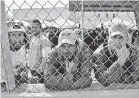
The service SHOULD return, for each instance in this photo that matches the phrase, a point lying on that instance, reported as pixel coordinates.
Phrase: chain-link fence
(81, 45)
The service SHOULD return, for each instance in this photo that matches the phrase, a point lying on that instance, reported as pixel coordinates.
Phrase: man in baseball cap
(114, 62)
(65, 61)
(67, 36)
(118, 36)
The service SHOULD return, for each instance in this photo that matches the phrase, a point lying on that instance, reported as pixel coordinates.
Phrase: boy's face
(67, 49)
(35, 28)
(16, 39)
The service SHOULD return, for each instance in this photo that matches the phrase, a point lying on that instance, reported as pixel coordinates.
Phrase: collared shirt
(35, 53)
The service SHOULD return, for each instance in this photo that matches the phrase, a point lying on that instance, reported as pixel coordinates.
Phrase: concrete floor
(96, 91)
(134, 93)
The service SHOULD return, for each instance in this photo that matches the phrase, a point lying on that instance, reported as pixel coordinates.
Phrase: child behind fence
(37, 52)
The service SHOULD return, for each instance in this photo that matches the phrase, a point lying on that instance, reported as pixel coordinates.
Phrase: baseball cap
(67, 36)
(118, 29)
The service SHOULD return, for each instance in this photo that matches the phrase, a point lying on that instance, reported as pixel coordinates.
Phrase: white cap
(67, 36)
(118, 29)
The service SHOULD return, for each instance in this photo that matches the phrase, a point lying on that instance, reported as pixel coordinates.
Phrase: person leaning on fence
(36, 57)
(68, 65)
(18, 41)
(117, 61)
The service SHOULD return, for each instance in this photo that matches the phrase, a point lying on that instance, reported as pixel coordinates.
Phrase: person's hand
(69, 77)
(59, 77)
(122, 54)
(72, 67)
(17, 68)
(67, 81)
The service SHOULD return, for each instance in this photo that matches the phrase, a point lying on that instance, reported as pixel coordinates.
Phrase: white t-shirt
(46, 49)
(39, 47)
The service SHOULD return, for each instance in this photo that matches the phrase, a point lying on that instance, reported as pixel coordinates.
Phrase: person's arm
(45, 50)
(43, 64)
(52, 79)
(83, 78)
(84, 75)
(110, 75)
(135, 66)
(105, 74)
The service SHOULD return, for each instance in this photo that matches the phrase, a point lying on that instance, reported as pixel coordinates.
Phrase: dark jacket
(108, 71)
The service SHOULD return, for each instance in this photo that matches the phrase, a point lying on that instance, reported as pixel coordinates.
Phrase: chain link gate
(70, 47)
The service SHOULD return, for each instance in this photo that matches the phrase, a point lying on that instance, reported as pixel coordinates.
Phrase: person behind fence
(37, 58)
(68, 65)
(18, 41)
(116, 62)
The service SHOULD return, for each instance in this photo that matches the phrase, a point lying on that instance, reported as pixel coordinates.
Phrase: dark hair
(53, 36)
(36, 20)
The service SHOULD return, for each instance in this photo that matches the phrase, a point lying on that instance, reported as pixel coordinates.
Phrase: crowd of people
(64, 59)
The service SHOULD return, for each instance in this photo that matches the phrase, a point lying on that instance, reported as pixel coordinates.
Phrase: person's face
(67, 49)
(116, 41)
(16, 39)
(35, 28)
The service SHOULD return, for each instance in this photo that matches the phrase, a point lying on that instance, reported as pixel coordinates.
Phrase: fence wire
(80, 49)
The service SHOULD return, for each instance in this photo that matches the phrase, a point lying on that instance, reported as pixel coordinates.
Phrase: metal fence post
(6, 57)
(136, 11)
(82, 18)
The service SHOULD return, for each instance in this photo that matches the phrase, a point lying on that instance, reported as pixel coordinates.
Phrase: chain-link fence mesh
(82, 45)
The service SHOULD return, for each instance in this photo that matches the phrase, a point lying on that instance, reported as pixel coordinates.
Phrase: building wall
(91, 19)
(37, 13)
(95, 18)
